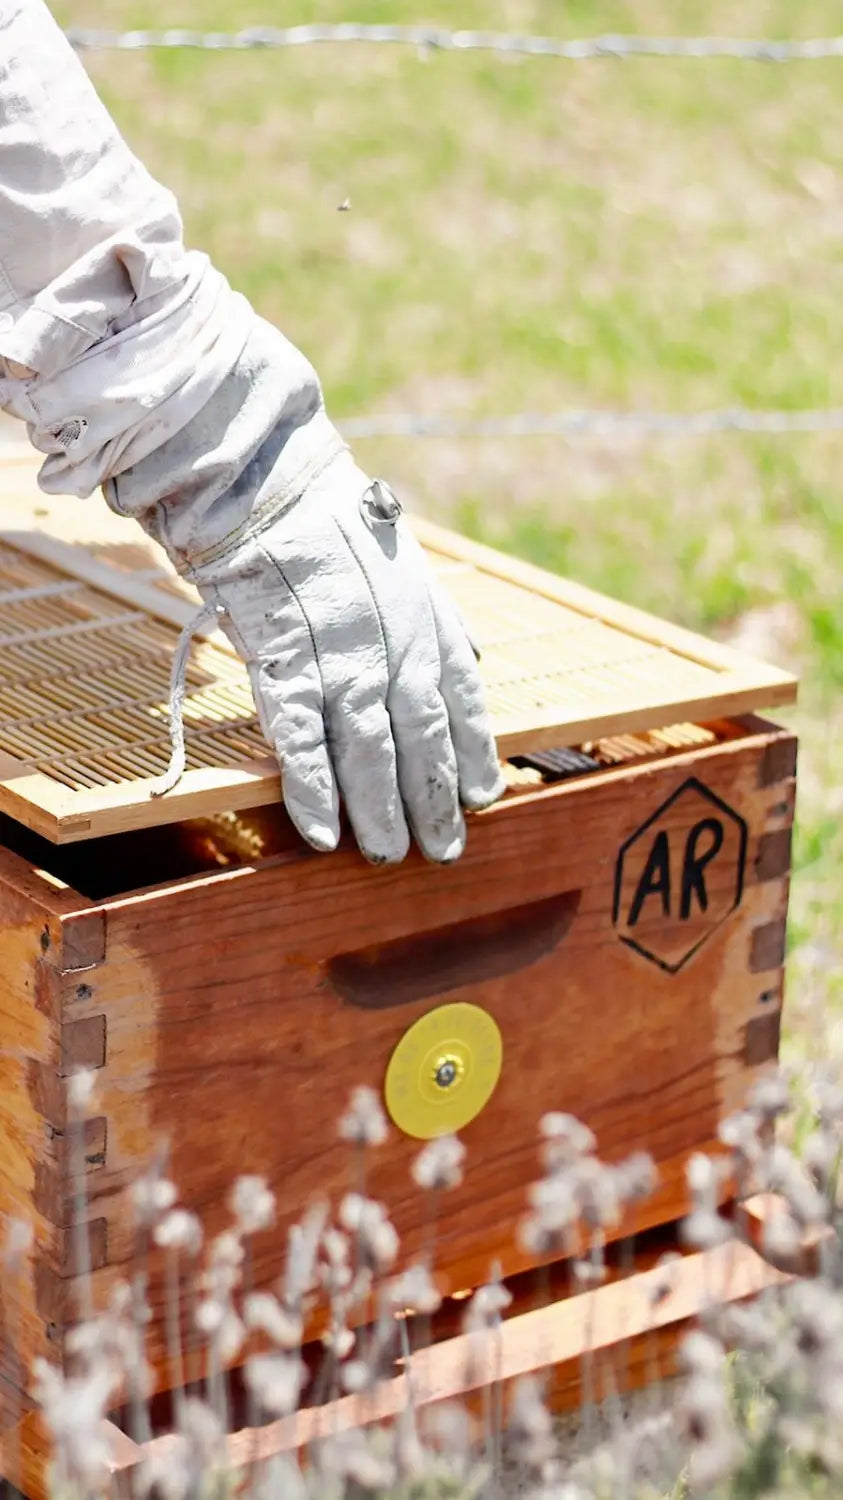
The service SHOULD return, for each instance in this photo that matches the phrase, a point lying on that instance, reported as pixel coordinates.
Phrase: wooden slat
(84, 670)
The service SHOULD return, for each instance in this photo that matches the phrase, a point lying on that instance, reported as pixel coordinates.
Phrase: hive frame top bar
(562, 663)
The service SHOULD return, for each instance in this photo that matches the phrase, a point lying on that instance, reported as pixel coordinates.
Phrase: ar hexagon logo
(679, 876)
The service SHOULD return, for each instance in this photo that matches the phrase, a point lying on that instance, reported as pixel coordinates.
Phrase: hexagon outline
(691, 783)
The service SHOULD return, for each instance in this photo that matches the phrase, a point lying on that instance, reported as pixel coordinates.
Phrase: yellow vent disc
(443, 1071)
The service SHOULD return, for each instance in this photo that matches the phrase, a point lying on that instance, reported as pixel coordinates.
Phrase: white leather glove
(364, 678)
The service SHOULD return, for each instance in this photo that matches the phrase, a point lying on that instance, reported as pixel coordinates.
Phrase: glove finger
(426, 765)
(427, 769)
(364, 759)
(290, 702)
(480, 779)
(346, 640)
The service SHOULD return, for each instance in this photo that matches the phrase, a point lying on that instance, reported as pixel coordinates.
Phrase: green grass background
(526, 235)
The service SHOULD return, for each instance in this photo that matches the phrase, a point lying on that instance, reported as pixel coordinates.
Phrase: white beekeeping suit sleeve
(137, 368)
(128, 335)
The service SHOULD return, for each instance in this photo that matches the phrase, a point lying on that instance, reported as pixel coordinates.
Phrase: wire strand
(428, 39)
(573, 423)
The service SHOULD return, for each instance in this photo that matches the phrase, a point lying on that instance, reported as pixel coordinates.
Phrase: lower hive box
(610, 945)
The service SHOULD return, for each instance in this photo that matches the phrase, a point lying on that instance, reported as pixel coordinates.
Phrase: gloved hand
(136, 368)
(363, 676)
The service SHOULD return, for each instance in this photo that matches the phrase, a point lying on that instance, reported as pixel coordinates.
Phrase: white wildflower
(588, 1272)
(253, 1204)
(276, 1381)
(264, 1312)
(596, 1189)
(357, 1375)
(80, 1092)
(74, 1409)
(229, 1337)
(770, 1097)
(447, 1428)
(415, 1291)
(17, 1243)
(701, 1178)
(364, 1122)
(356, 1458)
(375, 1236)
(565, 1140)
(336, 1273)
(485, 1308)
(338, 1341)
(152, 1196)
(439, 1164)
(829, 1099)
(411, 1459)
(224, 1330)
(208, 1316)
(165, 1474)
(636, 1178)
(530, 1426)
(704, 1229)
(554, 1200)
(705, 1426)
(223, 1271)
(278, 1478)
(300, 1272)
(555, 1214)
(201, 1429)
(783, 1174)
(821, 1155)
(739, 1132)
(227, 1250)
(816, 1315)
(781, 1239)
(702, 1354)
(179, 1230)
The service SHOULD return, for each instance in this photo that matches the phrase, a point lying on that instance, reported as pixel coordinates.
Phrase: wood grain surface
(226, 1015)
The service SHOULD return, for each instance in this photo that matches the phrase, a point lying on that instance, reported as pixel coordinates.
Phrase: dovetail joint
(761, 1039)
(768, 946)
(83, 1044)
(83, 941)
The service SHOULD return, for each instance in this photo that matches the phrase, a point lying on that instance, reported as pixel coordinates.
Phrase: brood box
(620, 916)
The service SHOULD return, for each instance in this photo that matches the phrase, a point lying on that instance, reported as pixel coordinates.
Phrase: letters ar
(702, 844)
(679, 874)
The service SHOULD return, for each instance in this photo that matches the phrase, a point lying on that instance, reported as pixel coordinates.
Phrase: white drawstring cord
(178, 687)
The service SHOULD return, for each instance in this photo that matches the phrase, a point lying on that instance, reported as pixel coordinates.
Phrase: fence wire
(430, 39)
(597, 424)
(427, 39)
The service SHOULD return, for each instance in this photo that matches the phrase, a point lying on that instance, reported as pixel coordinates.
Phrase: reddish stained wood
(29, 1042)
(243, 1021)
(228, 1028)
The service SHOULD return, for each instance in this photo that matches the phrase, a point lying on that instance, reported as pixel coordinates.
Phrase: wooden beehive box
(623, 925)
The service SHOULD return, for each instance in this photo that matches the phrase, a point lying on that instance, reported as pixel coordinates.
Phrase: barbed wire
(570, 423)
(573, 424)
(438, 39)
